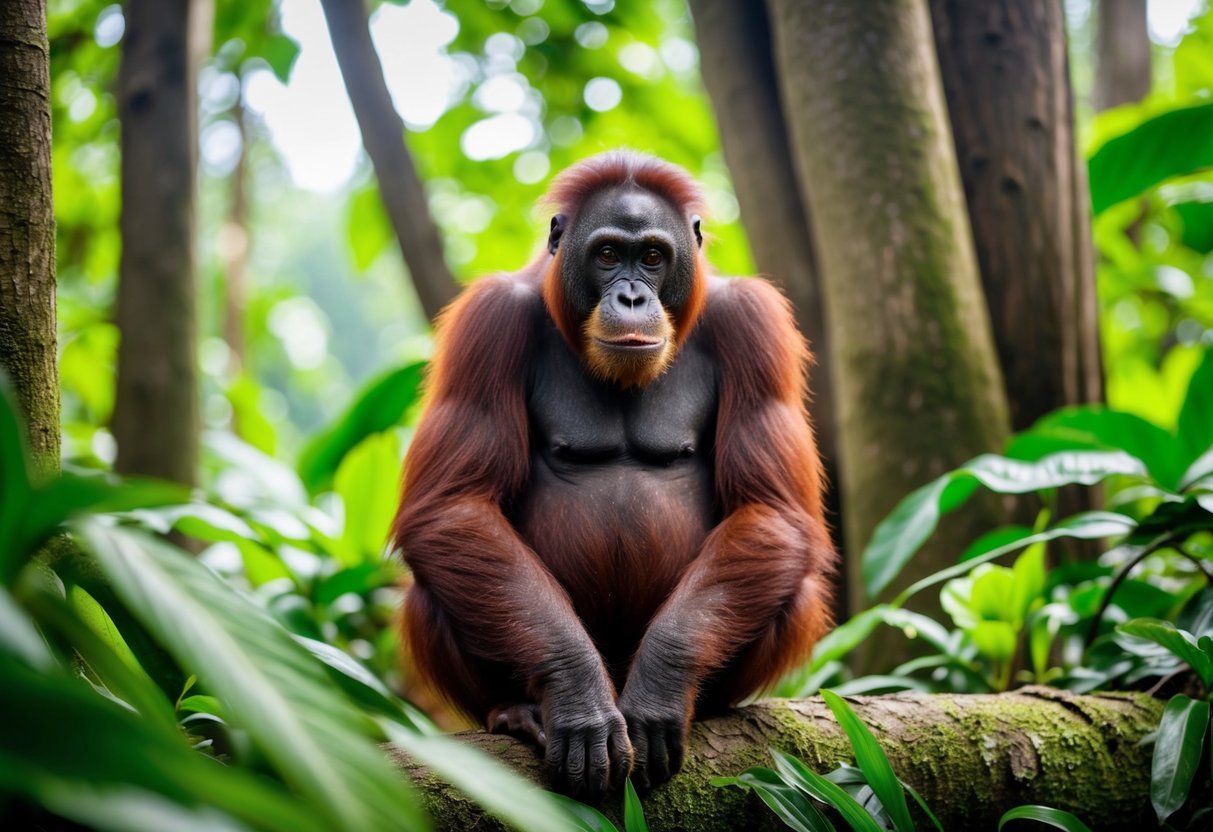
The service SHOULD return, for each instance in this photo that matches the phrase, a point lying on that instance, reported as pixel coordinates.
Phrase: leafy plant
(868, 798)
(153, 694)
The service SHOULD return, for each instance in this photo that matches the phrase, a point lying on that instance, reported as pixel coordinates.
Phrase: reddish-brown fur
(481, 617)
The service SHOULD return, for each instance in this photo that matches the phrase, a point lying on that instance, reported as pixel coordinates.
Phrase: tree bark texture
(971, 757)
(400, 185)
(917, 381)
(156, 420)
(27, 226)
(734, 38)
(1122, 46)
(1005, 74)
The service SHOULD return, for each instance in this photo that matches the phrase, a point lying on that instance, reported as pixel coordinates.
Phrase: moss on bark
(971, 758)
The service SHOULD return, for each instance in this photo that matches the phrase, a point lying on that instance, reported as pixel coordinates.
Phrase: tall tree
(1006, 77)
(1122, 46)
(27, 225)
(156, 419)
(734, 38)
(400, 186)
(916, 376)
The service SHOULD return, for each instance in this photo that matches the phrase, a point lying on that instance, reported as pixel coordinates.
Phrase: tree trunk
(917, 381)
(1005, 74)
(400, 186)
(971, 757)
(1122, 62)
(156, 419)
(27, 226)
(734, 39)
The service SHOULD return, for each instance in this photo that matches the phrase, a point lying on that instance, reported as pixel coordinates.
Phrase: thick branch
(400, 185)
(971, 758)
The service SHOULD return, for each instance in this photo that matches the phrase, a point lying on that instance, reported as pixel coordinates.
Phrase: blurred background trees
(468, 109)
(994, 220)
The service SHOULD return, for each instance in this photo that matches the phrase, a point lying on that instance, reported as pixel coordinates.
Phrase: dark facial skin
(630, 250)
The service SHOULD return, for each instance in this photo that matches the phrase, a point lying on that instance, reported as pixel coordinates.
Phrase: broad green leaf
(872, 762)
(81, 622)
(377, 407)
(846, 637)
(581, 817)
(1148, 155)
(1043, 814)
(1177, 753)
(794, 771)
(280, 52)
(904, 531)
(1089, 525)
(994, 639)
(368, 481)
(1179, 642)
(1096, 427)
(1029, 571)
(633, 812)
(120, 808)
(321, 744)
(788, 803)
(364, 687)
(1199, 470)
(42, 755)
(1196, 415)
(914, 519)
(493, 786)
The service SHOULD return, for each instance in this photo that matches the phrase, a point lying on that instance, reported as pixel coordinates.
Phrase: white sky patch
(1168, 19)
(310, 119)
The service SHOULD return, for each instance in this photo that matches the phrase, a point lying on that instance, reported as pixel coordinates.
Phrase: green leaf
(787, 802)
(1179, 642)
(1148, 155)
(493, 786)
(1177, 753)
(1196, 415)
(323, 747)
(583, 818)
(633, 812)
(994, 639)
(846, 637)
(280, 52)
(795, 772)
(1089, 525)
(914, 519)
(379, 406)
(1096, 427)
(1043, 814)
(368, 481)
(872, 762)
(42, 757)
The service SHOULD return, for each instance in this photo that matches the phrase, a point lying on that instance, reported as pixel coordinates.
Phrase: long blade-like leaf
(872, 762)
(1177, 753)
(1044, 814)
(794, 771)
(633, 812)
(788, 803)
(270, 686)
(496, 788)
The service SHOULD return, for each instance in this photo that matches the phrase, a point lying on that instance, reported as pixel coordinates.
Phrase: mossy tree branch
(971, 758)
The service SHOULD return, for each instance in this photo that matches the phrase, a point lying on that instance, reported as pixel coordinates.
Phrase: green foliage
(106, 742)
(1148, 155)
(869, 798)
(1178, 752)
